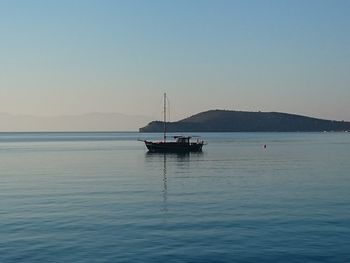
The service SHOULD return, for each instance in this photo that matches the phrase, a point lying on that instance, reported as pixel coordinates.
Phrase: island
(245, 121)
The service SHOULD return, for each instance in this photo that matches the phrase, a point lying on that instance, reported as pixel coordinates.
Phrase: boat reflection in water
(176, 162)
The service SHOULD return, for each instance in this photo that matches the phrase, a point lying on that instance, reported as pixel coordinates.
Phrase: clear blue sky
(72, 57)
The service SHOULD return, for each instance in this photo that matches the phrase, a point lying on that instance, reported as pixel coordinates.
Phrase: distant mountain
(244, 121)
(84, 122)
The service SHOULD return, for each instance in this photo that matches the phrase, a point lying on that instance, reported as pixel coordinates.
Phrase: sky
(75, 57)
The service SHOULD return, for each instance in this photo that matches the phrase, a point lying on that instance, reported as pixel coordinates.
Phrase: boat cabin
(182, 139)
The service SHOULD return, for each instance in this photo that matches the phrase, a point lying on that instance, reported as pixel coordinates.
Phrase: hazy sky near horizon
(73, 57)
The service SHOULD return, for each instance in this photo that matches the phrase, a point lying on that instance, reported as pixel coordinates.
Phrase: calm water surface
(100, 197)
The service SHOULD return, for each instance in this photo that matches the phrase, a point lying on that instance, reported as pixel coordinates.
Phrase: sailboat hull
(173, 146)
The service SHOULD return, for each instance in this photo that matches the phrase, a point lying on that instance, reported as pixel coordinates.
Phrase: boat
(181, 144)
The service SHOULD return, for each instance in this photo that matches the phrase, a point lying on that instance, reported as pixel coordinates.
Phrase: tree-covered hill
(243, 121)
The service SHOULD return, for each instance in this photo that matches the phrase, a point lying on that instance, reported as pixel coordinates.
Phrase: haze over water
(100, 197)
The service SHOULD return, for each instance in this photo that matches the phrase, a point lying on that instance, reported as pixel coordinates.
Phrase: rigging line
(164, 119)
(168, 108)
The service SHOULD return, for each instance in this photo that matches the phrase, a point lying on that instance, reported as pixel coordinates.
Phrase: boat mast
(164, 128)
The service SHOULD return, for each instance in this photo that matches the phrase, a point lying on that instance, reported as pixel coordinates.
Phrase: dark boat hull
(173, 146)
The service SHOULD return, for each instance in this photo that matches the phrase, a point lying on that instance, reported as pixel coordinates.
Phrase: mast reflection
(178, 161)
(165, 187)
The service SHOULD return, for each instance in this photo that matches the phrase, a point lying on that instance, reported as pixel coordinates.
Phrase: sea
(101, 197)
